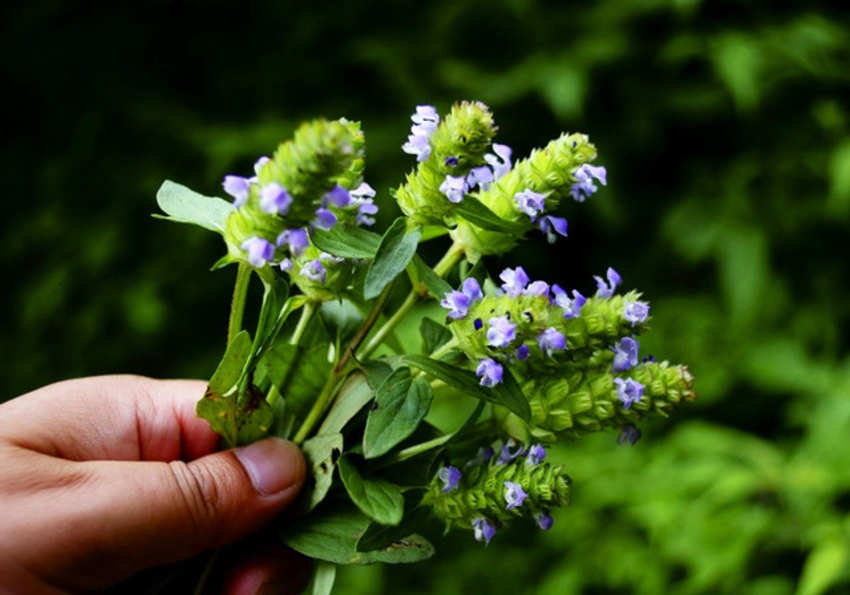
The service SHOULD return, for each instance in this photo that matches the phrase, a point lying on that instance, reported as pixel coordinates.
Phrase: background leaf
(474, 211)
(347, 241)
(376, 498)
(433, 335)
(398, 245)
(401, 403)
(187, 206)
(353, 396)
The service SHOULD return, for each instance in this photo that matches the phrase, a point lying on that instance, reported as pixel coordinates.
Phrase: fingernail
(272, 464)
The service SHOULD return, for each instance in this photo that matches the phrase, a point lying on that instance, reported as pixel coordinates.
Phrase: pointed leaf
(230, 367)
(320, 451)
(474, 211)
(402, 402)
(377, 498)
(435, 284)
(187, 206)
(508, 394)
(352, 397)
(433, 335)
(379, 536)
(347, 241)
(396, 249)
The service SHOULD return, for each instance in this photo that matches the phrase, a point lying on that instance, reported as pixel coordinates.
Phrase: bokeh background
(725, 128)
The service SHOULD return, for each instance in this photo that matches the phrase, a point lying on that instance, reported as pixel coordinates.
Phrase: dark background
(724, 128)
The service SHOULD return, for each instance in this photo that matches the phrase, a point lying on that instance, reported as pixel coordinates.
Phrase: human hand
(101, 477)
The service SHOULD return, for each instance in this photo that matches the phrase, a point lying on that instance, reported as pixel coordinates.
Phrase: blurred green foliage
(724, 127)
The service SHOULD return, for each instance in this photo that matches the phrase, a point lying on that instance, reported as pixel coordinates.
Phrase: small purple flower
(454, 187)
(501, 161)
(259, 164)
(553, 227)
(571, 307)
(489, 371)
(314, 270)
(325, 219)
(636, 312)
(625, 354)
(363, 192)
(337, 196)
(501, 332)
(649, 358)
(506, 456)
(522, 352)
(544, 520)
(425, 119)
(629, 434)
(259, 251)
(551, 340)
(361, 197)
(472, 289)
(531, 203)
(457, 303)
(483, 529)
(237, 187)
(584, 186)
(629, 391)
(325, 257)
(481, 176)
(514, 281)
(419, 145)
(274, 199)
(537, 288)
(514, 495)
(295, 238)
(606, 290)
(451, 161)
(536, 454)
(477, 323)
(482, 457)
(286, 265)
(450, 476)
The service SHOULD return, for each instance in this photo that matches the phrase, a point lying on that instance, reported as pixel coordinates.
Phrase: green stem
(306, 314)
(318, 408)
(454, 254)
(364, 329)
(237, 305)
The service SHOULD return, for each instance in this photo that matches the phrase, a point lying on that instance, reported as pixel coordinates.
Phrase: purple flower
(481, 176)
(361, 197)
(514, 281)
(551, 340)
(506, 456)
(451, 161)
(636, 312)
(325, 219)
(514, 495)
(419, 145)
(286, 265)
(489, 371)
(543, 520)
(325, 257)
(551, 226)
(425, 119)
(537, 288)
(314, 271)
(571, 307)
(259, 164)
(337, 196)
(629, 391)
(625, 354)
(629, 434)
(472, 289)
(363, 192)
(237, 187)
(454, 187)
(501, 332)
(482, 457)
(450, 476)
(501, 161)
(584, 186)
(274, 199)
(295, 238)
(457, 303)
(531, 203)
(522, 352)
(606, 290)
(483, 529)
(536, 454)
(259, 251)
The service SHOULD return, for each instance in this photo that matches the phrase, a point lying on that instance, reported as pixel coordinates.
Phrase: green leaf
(347, 241)
(402, 402)
(322, 583)
(397, 248)
(429, 232)
(229, 369)
(379, 536)
(377, 498)
(254, 416)
(435, 284)
(825, 565)
(272, 313)
(474, 211)
(187, 206)
(342, 315)
(332, 535)
(433, 335)
(352, 397)
(299, 374)
(376, 371)
(508, 394)
(319, 452)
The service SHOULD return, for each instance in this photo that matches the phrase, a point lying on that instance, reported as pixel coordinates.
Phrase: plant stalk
(237, 304)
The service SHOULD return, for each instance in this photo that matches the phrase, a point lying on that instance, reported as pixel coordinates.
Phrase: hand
(102, 477)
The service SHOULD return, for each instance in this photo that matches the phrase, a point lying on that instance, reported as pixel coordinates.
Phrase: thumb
(153, 513)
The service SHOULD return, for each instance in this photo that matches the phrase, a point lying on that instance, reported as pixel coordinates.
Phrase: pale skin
(102, 477)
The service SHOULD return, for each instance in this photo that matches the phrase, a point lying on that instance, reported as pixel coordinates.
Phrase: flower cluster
(504, 481)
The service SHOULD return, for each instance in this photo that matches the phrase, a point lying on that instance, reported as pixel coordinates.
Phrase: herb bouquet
(536, 363)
